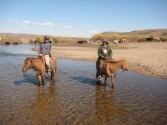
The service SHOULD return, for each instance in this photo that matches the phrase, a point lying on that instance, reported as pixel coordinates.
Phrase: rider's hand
(40, 54)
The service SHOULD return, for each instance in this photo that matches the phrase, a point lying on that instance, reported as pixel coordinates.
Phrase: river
(75, 98)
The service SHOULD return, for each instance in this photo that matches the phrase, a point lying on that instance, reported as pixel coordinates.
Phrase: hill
(133, 35)
(146, 33)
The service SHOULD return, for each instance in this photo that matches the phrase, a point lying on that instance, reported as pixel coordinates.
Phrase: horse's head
(27, 64)
(125, 65)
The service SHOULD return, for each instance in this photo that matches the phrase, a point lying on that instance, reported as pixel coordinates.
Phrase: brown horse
(110, 67)
(39, 66)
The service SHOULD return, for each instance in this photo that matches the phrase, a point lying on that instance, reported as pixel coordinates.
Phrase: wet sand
(144, 58)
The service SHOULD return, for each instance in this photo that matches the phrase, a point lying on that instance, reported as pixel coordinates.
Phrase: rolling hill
(146, 33)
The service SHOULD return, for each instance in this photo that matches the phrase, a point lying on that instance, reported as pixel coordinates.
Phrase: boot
(100, 77)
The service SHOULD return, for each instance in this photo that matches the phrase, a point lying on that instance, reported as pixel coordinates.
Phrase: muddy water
(75, 98)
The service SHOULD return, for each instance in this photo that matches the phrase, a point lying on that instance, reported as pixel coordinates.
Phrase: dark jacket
(104, 52)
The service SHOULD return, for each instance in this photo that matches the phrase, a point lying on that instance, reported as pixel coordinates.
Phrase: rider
(44, 50)
(104, 53)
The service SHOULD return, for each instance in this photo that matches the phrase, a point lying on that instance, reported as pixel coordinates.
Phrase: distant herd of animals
(114, 41)
(17, 43)
(123, 40)
(14, 43)
(149, 39)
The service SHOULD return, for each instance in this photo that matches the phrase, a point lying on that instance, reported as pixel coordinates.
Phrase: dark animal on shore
(15, 43)
(7, 43)
(83, 41)
(110, 67)
(149, 39)
(40, 68)
(141, 40)
(80, 42)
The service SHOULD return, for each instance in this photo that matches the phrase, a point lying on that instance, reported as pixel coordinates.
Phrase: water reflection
(44, 107)
(106, 109)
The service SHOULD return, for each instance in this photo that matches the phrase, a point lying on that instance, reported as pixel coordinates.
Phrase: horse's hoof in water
(98, 81)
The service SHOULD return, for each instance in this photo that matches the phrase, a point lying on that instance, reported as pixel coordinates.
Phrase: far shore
(144, 58)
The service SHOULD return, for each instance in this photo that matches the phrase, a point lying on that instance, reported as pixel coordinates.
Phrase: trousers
(47, 59)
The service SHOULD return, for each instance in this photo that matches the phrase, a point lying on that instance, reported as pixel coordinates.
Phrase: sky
(81, 18)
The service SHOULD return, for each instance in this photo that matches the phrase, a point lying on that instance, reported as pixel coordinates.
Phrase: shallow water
(75, 98)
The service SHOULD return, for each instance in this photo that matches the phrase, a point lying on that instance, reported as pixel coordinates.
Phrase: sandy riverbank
(145, 58)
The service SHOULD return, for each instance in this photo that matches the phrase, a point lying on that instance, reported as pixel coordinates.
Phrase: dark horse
(39, 66)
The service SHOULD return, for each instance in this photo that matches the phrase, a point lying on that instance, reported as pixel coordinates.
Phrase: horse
(110, 67)
(40, 68)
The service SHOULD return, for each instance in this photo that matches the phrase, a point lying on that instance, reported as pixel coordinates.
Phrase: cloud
(93, 31)
(9, 20)
(44, 24)
(22, 25)
(25, 28)
(14, 21)
(26, 22)
(68, 27)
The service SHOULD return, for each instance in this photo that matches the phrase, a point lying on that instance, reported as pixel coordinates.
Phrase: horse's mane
(115, 61)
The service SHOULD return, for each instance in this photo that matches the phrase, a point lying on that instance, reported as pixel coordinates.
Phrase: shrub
(163, 39)
(164, 34)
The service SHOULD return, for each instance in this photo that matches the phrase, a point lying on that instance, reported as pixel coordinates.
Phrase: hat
(46, 37)
(105, 41)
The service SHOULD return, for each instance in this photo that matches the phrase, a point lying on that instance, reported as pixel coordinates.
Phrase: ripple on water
(75, 98)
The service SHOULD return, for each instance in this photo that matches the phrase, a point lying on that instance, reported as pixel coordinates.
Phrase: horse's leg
(53, 75)
(42, 78)
(112, 80)
(39, 79)
(105, 81)
(55, 71)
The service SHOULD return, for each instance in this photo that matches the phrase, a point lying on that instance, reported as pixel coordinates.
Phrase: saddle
(42, 58)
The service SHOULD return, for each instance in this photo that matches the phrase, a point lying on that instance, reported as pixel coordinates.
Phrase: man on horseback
(44, 50)
(104, 53)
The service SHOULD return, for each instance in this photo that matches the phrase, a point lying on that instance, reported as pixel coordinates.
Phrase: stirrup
(100, 78)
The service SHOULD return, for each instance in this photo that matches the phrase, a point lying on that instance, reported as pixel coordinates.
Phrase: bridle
(32, 64)
(123, 69)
